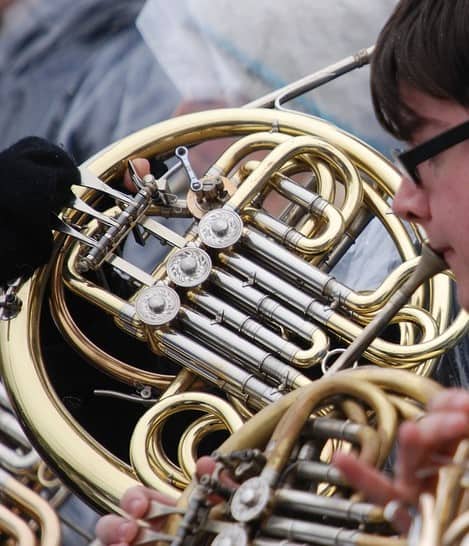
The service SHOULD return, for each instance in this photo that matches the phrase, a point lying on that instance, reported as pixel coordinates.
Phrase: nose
(411, 202)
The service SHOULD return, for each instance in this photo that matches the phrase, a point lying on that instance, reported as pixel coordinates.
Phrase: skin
(440, 204)
(116, 531)
(142, 166)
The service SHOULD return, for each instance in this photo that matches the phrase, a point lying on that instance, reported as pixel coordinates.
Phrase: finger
(433, 432)
(449, 400)
(142, 166)
(136, 500)
(112, 530)
(418, 441)
(206, 465)
(376, 486)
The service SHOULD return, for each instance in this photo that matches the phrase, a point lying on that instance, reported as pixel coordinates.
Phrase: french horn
(239, 312)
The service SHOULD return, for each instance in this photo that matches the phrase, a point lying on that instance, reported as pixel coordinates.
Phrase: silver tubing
(216, 369)
(260, 303)
(288, 263)
(313, 81)
(244, 324)
(237, 348)
(310, 503)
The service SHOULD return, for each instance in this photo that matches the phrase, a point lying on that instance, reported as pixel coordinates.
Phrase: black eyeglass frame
(409, 160)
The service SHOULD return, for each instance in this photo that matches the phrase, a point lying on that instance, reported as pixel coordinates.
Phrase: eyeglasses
(408, 161)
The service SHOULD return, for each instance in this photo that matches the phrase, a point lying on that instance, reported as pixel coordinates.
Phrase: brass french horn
(240, 310)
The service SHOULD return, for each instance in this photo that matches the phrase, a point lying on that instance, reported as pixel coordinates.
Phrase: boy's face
(440, 203)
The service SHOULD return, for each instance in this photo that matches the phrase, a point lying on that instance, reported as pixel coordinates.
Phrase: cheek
(449, 200)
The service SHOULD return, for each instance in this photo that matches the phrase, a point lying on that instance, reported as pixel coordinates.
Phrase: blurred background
(86, 73)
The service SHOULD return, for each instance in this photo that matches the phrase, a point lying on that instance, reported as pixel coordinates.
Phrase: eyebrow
(425, 123)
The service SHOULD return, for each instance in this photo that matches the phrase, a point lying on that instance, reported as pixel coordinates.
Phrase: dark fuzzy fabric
(35, 179)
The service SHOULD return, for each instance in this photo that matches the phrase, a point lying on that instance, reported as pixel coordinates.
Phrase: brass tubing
(115, 367)
(257, 302)
(147, 461)
(242, 147)
(407, 410)
(214, 368)
(322, 284)
(457, 530)
(285, 151)
(312, 81)
(310, 503)
(324, 174)
(13, 526)
(191, 438)
(253, 357)
(354, 411)
(319, 472)
(289, 427)
(104, 478)
(449, 491)
(294, 239)
(253, 329)
(359, 434)
(315, 533)
(265, 141)
(257, 432)
(96, 473)
(324, 183)
(429, 265)
(379, 350)
(35, 506)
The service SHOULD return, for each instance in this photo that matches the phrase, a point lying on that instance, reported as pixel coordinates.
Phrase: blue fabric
(79, 74)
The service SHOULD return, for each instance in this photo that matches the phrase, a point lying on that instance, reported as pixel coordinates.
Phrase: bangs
(420, 47)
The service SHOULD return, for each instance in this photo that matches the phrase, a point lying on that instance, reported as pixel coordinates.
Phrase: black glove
(35, 180)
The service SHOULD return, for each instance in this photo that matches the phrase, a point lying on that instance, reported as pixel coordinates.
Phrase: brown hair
(425, 45)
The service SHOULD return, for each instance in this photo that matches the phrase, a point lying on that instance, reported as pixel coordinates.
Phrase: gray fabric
(242, 50)
(79, 74)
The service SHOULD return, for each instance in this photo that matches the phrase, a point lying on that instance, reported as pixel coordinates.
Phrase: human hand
(423, 446)
(142, 167)
(113, 530)
(37, 176)
(35, 180)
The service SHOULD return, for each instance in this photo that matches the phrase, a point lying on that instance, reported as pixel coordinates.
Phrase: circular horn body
(237, 308)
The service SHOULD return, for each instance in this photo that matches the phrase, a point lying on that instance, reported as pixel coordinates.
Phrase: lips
(447, 254)
(444, 251)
